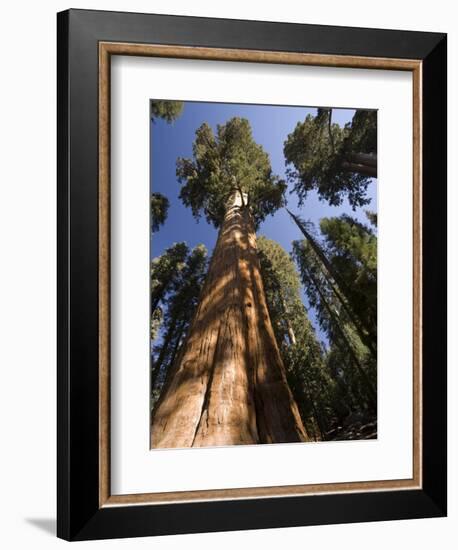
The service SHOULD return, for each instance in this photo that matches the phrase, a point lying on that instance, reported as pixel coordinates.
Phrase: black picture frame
(79, 515)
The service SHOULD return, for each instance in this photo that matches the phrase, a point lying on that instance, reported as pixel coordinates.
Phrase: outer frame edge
(63, 433)
(141, 521)
(96, 526)
(434, 165)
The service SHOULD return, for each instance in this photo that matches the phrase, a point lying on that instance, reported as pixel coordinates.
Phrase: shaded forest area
(235, 358)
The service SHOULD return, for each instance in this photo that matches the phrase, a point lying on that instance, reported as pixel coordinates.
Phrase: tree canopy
(348, 317)
(164, 269)
(352, 250)
(166, 110)
(224, 163)
(159, 209)
(342, 284)
(372, 217)
(336, 162)
(330, 275)
(179, 305)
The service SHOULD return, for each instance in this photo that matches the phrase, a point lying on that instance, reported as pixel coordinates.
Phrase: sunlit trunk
(228, 386)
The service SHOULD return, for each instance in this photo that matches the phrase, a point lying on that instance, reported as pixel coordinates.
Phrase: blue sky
(271, 125)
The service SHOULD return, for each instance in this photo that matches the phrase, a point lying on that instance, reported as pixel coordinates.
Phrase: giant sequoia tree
(228, 385)
(337, 162)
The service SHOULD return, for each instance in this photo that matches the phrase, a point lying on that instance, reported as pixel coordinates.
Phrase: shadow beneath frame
(48, 525)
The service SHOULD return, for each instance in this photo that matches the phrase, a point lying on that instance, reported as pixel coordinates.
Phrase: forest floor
(353, 428)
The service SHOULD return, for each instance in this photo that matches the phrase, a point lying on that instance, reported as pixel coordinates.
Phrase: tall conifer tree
(336, 162)
(301, 351)
(229, 385)
(179, 306)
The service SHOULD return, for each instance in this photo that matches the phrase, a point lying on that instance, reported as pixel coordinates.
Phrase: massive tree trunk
(228, 385)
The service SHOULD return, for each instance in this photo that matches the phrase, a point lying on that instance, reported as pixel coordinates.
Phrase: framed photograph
(251, 275)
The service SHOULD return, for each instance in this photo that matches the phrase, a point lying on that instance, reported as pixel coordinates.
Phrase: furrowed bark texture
(228, 386)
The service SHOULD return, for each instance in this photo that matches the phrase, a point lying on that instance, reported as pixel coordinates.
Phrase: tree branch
(331, 137)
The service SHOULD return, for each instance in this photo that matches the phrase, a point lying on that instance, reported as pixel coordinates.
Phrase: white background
(27, 286)
(134, 466)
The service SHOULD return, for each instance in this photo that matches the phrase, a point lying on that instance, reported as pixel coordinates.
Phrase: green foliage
(224, 163)
(318, 154)
(310, 382)
(372, 217)
(362, 134)
(341, 287)
(281, 285)
(302, 353)
(164, 270)
(156, 322)
(350, 248)
(159, 209)
(166, 110)
(179, 306)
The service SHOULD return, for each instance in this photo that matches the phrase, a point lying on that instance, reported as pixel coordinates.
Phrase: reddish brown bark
(229, 387)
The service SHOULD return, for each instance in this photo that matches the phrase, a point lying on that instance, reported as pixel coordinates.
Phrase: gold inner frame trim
(106, 50)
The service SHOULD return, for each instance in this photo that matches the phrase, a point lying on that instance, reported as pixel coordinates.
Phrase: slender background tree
(301, 352)
(164, 272)
(332, 260)
(179, 306)
(350, 249)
